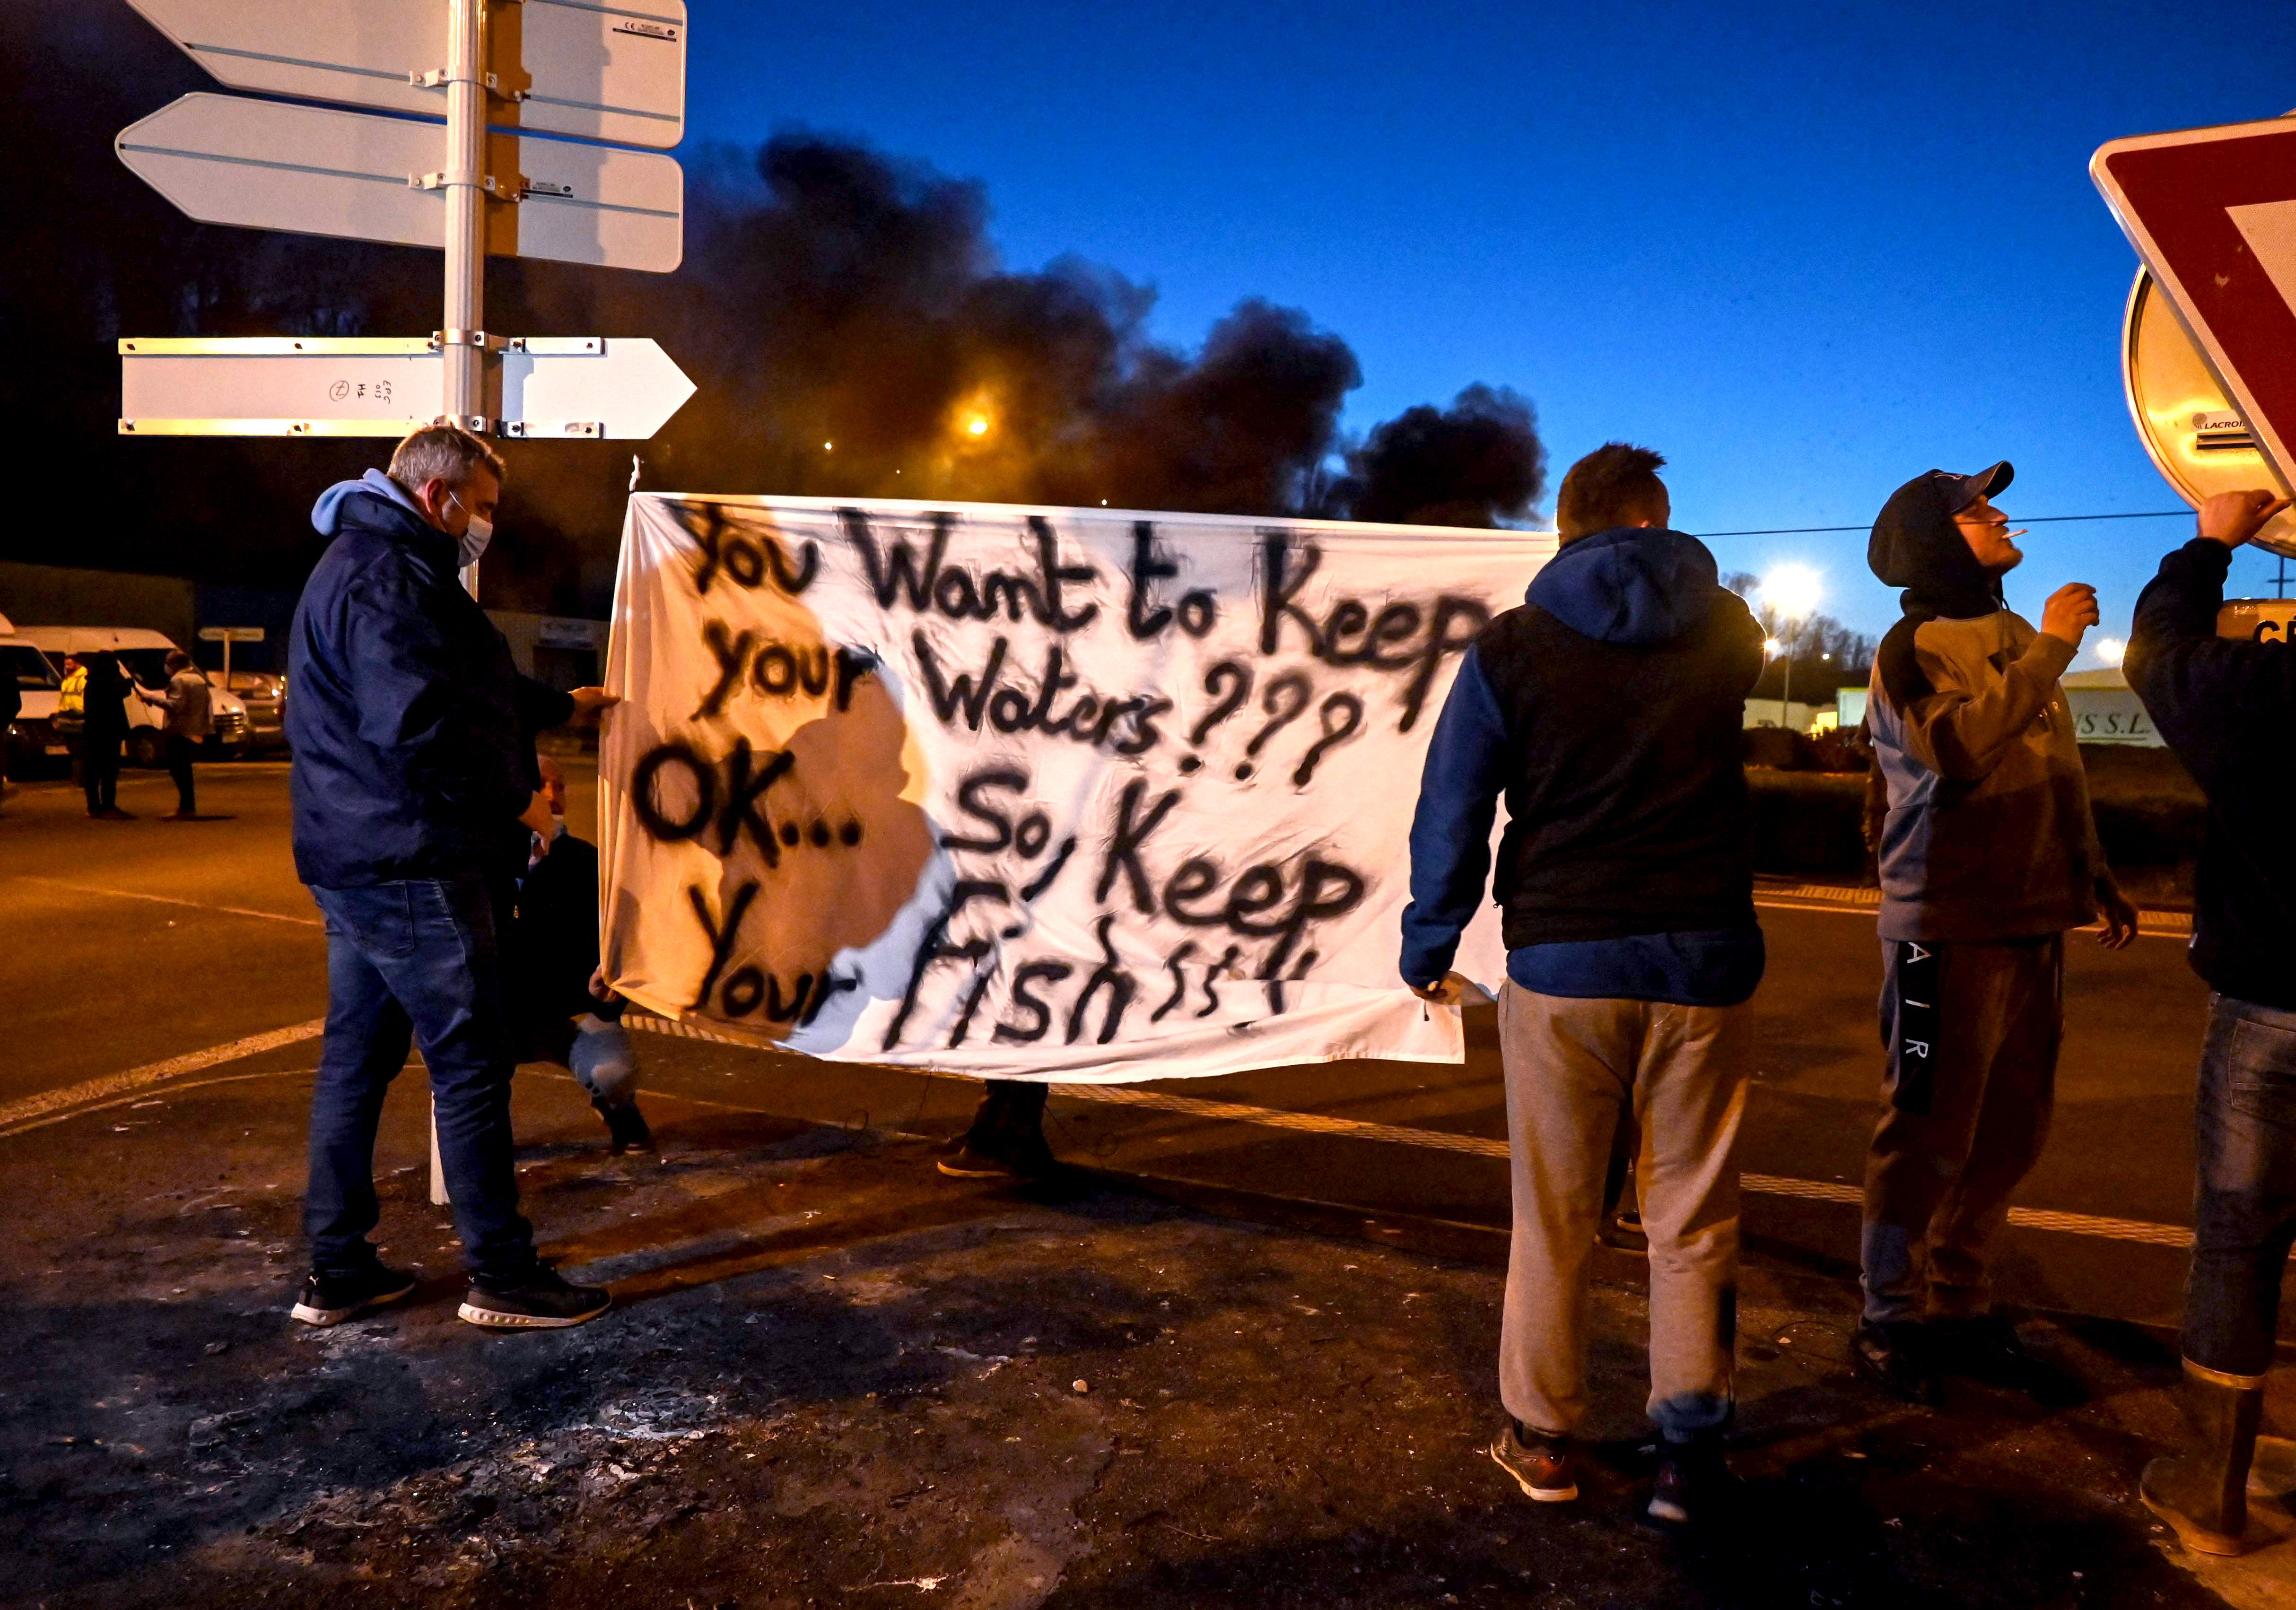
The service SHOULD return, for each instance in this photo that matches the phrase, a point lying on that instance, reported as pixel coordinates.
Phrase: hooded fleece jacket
(412, 728)
(1988, 836)
(1607, 708)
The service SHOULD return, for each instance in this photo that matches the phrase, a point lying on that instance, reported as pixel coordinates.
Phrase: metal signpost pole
(462, 335)
(1785, 692)
(466, 201)
(370, 168)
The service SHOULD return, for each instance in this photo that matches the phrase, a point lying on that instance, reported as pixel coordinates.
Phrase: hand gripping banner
(1031, 793)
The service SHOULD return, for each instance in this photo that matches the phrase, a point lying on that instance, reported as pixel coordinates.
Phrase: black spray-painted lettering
(971, 697)
(731, 803)
(1401, 636)
(742, 557)
(748, 988)
(929, 584)
(1144, 618)
(938, 949)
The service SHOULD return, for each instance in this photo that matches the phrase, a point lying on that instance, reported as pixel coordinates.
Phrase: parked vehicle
(264, 695)
(34, 744)
(144, 656)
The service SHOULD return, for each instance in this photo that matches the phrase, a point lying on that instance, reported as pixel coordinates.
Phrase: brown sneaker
(1542, 1466)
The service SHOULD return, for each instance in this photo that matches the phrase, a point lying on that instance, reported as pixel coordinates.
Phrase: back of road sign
(599, 72)
(545, 387)
(276, 165)
(2213, 212)
(2197, 439)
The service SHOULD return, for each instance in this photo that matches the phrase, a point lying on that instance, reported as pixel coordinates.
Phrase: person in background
(1006, 1138)
(1987, 855)
(410, 760)
(71, 710)
(563, 1012)
(189, 703)
(2221, 705)
(1608, 710)
(104, 697)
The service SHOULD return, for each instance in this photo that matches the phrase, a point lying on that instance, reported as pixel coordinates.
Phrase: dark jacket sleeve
(413, 703)
(2191, 680)
(1465, 772)
(540, 707)
(1743, 642)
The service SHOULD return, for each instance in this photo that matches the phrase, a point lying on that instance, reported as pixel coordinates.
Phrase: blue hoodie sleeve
(1451, 830)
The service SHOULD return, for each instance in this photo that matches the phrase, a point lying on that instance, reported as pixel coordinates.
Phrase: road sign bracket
(570, 430)
(510, 194)
(439, 77)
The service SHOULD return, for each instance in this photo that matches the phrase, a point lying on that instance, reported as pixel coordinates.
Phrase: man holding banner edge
(1607, 708)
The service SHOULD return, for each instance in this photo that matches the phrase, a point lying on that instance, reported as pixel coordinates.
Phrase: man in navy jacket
(412, 766)
(1608, 710)
(2225, 706)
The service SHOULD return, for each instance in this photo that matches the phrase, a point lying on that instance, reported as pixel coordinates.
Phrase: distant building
(2106, 710)
(563, 650)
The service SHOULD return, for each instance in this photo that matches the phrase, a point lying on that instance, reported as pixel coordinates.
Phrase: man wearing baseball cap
(1987, 855)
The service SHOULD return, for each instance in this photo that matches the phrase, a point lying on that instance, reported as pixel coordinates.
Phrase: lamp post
(1791, 592)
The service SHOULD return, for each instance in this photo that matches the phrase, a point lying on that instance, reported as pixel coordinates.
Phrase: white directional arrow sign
(276, 165)
(554, 387)
(598, 72)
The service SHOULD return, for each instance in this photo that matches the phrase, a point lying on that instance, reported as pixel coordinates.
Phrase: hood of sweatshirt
(1636, 585)
(1915, 545)
(335, 504)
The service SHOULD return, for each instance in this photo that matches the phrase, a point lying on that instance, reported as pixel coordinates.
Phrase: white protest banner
(1031, 793)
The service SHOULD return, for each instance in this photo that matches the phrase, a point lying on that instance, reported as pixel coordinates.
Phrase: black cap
(1962, 490)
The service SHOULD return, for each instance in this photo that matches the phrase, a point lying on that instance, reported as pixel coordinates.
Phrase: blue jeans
(414, 961)
(2244, 1211)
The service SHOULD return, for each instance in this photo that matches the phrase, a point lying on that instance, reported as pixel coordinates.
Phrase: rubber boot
(2204, 1493)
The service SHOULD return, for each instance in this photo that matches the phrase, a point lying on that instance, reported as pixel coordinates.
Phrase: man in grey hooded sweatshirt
(1987, 855)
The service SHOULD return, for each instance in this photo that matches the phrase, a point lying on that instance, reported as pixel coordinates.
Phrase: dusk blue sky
(1806, 250)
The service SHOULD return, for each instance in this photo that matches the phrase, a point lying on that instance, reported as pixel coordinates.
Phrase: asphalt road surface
(136, 944)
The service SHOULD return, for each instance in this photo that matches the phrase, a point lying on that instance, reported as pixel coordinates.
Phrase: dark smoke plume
(844, 314)
(1476, 463)
(851, 311)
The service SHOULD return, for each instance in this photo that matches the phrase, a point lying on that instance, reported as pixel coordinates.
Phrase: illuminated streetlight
(1792, 593)
(829, 447)
(977, 425)
(2110, 650)
(1770, 646)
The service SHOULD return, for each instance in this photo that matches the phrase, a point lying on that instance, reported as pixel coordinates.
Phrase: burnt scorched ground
(833, 1377)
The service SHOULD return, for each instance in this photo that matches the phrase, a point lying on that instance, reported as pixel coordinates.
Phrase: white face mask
(557, 827)
(474, 540)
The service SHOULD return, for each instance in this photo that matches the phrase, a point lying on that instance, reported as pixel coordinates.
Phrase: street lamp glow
(2110, 650)
(977, 425)
(829, 447)
(1771, 645)
(1791, 591)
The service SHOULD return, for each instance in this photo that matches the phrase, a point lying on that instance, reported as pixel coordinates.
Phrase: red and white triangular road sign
(2212, 211)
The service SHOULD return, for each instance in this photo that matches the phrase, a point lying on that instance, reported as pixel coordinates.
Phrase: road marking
(1846, 901)
(197, 905)
(33, 1110)
(1475, 1146)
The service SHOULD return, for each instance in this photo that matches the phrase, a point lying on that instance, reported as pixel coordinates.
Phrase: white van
(33, 742)
(144, 656)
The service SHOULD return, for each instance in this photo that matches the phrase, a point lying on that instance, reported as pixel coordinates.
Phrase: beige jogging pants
(1573, 1069)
